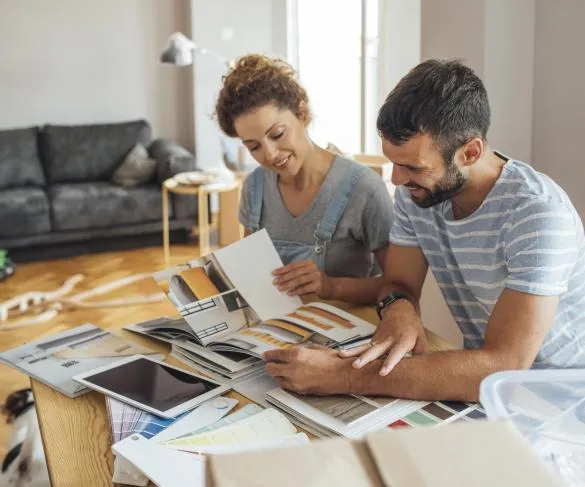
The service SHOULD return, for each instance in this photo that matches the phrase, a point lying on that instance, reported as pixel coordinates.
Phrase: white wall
(496, 39)
(257, 26)
(453, 29)
(559, 95)
(86, 61)
(509, 74)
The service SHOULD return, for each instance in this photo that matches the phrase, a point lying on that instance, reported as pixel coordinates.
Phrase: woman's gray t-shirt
(364, 226)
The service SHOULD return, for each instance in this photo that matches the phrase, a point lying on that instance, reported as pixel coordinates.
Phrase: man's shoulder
(529, 185)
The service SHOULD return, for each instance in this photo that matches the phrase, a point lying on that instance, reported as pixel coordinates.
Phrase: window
(338, 65)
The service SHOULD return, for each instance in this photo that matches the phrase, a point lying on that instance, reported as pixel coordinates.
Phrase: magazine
(231, 309)
(55, 359)
(219, 366)
(354, 416)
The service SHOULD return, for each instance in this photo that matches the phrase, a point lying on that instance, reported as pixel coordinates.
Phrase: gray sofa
(57, 198)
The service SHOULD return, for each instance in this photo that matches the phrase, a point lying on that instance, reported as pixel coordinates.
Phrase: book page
(268, 424)
(343, 414)
(325, 320)
(249, 264)
(205, 297)
(55, 359)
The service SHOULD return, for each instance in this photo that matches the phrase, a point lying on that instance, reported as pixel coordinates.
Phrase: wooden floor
(97, 269)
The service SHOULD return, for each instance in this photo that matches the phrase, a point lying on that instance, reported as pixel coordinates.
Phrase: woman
(329, 217)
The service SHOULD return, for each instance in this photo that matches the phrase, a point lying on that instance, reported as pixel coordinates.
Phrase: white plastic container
(548, 408)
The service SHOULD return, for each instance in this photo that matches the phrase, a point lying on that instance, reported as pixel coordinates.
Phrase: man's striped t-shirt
(525, 236)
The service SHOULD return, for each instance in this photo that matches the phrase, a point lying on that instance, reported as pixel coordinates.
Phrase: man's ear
(472, 151)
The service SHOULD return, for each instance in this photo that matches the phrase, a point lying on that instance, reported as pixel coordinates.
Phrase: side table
(229, 192)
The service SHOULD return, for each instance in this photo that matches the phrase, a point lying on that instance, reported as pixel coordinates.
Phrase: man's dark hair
(445, 99)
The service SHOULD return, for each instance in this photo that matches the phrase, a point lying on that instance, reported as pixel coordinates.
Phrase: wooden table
(229, 201)
(76, 432)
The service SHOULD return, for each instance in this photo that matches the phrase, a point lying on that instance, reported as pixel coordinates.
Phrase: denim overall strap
(341, 196)
(256, 198)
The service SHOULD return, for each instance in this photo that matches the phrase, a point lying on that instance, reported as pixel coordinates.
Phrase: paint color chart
(436, 413)
(126, 420)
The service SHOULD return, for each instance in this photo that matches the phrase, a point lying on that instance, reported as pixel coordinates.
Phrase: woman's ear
(304, 113)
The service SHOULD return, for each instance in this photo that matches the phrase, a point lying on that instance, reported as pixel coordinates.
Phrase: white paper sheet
(256, 388)
(165, 467)
(266, 426)
(249, 264)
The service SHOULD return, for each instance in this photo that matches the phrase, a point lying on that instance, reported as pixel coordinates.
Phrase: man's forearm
(448, 375)
(392, 286)
(355, 290)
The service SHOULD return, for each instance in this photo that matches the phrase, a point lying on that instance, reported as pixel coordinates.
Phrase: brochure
(232, 311)
(55, 359)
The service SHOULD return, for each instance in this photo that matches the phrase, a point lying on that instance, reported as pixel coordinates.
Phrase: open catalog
(232, 313)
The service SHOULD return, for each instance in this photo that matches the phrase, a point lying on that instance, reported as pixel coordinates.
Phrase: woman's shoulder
(258, 176)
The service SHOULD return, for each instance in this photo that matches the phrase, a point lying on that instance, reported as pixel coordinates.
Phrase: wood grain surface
(76, 433)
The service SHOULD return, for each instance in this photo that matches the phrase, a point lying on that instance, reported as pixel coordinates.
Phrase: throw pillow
(171, 158)
(137, 168)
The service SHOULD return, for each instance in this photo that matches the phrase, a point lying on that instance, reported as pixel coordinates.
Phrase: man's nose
(399, 176)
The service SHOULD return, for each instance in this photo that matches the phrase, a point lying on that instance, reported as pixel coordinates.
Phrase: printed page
(249, 264)
(165, 328)
(217, 373)
(325, 320)
(55, 359)
(230, 361)
(344, 415)
(256, 388)
(269, 424)
(258, 339)
(126, 420)
(205, 297)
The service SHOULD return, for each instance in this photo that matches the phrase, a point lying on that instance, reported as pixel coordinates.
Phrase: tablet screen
(152, 384)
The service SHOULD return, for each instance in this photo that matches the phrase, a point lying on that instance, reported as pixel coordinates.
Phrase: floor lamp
(179, 51)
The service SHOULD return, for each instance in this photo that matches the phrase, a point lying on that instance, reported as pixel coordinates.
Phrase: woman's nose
(270, 153)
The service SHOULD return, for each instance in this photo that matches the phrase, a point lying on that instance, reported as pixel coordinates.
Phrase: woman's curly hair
(257, 80)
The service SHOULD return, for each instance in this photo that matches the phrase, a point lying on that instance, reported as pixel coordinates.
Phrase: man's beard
(448, 187)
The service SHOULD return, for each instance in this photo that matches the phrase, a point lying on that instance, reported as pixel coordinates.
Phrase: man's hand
(309, 370)
(400, 332)
(302, 277)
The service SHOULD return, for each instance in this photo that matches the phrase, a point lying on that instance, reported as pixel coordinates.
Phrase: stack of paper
(268, 427)
(140, 437)
(55, 359)
(126, 420)
(354, 416)
(232, 313)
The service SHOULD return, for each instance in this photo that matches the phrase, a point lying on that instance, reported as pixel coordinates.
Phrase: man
(503, 241)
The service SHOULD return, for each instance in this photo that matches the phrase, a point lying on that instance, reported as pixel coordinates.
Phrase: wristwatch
(388, 300)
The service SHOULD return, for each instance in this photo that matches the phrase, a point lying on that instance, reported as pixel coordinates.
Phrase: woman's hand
(399, 333)
(303, 277)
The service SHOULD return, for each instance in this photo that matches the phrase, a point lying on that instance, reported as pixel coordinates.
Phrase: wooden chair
(381, 165)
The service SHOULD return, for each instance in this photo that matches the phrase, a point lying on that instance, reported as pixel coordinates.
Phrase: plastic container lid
(548, 408)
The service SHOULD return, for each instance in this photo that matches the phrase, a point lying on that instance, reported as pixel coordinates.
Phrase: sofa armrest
(171, 158)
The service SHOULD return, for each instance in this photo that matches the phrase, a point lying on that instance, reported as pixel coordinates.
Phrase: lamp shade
(178, 50)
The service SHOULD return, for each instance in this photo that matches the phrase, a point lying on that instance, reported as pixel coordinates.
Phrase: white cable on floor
(49, 304)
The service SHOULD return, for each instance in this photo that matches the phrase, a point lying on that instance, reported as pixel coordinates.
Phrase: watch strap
(388, 300)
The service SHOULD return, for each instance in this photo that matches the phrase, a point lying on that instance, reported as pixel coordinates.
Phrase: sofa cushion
(19, 159)
(86, 153)
(136, 169)
(25, 211)
(171, 158)
(97, 205)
